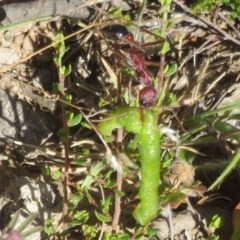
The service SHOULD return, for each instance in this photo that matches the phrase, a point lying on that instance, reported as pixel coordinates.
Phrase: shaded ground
(206, 53)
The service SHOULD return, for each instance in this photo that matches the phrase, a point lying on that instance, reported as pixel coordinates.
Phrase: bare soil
(206, 52)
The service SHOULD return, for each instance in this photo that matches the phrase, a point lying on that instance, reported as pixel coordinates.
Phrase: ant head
(147, 96)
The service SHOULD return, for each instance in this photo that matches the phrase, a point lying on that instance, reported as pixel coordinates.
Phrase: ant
(119, 34)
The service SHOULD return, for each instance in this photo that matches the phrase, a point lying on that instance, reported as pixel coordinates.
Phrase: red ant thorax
(138, 62)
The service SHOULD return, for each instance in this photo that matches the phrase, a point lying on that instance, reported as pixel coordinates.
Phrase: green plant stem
(67, 159)
(140, 15)
(66, 151)
(226, 171)
(143, 123)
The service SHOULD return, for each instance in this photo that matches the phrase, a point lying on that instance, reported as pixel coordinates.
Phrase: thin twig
(160, 74)
(201, 49)
(66, 153)
(117, 205)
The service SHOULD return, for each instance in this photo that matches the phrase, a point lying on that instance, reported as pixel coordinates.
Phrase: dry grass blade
(110, 71)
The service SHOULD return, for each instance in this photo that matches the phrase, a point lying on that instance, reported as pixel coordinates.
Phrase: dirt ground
(205, 49)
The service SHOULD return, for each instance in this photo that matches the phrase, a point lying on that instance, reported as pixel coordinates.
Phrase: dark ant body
(118, 32)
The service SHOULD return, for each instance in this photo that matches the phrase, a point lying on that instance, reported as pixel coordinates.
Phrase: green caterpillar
(143, 123)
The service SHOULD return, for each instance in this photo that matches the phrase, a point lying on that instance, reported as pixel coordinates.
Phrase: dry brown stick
(117, 205)
(210, 24)
(160, 74)
(66, 153)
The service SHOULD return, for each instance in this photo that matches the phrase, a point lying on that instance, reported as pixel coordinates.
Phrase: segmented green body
(143, 123)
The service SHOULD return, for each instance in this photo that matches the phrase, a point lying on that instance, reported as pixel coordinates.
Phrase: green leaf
(81, 216)
(108, 179)
(80, 162)
(32, 231)
(152, 232)
(61, 49)
(57, 174)
(158, 32)
(13, 221)
(216, 222)
(174, 199)
(68, 98)
(101, 217)
(234, 116)
(56, 88)
(192, 131)
(205, 114)
(85, 151)
(75, 200)
(234, 14)
(119, 193)
(68, 70)
(62, 70)
(165, 2)
(57, 60)
(95, 169)
(46, 171)
(166, 68)
(89, 232)
(165, 48)
(86, 125)
(170, 98)
(87, 182)
(48, 230)
(195, 123)
(119, 236)
(59, 46)
(65, 70)
(102, 102)
(62, 135)
(25, 223)
(117, 12)
(69, 115)
(75, 120)
(106, 204)
(172, 70)
(127, 17)
(224, 127)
